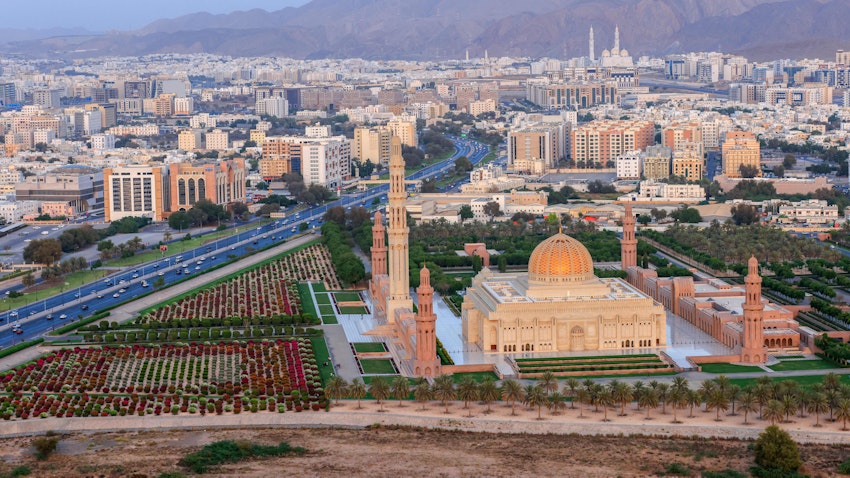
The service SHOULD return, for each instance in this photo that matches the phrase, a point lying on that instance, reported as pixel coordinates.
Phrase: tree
(818, 405)
(239, 210)
(44, 446)
(465, 212)
(502, 263)
(648, 400)
(468, 392)
(179, 220)
(380, 390)
(422, 393)
(789, 161)
(536, 397)
(775, 450)
(622, 394)
(842, 412)
(43, 251)
(463, 164)
(658, 214)
(335, 214)
(488, 392)
(512, 392)
(643, 219)
(749, 171)
(598, 187)
(779, 171)
(717, 400)
(357, 390)
(773, 411)
(686, 214)
(262, 186)
(492, 209)
(158, 282)
(28, 280)
(557, 403)
(745, 214)
(266, 210)
(400, 389)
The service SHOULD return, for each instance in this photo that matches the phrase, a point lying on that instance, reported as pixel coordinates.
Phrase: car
(122, 281)
(144, 283)
(106, 281)
(212, 258)
(13, 313)
(199, 263)
(156, 266)
(232, 248)
(197, 268)
(160, 273)
(77, 295)
(84, 307)
(100, 296)
(63, 317)
(17, 331)
(116, 295)
(122, 290)
(256, 242)
(32, 312)
(186, 271)
(44, 233)
(179, 271)
(135, 276)
(49, 317)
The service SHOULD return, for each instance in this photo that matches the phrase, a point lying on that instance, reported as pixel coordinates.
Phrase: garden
(276, 376)
(269, 290)
(617, 364)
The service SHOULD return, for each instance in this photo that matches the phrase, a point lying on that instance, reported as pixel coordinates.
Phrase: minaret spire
(425, 362)
(628, 245)
(592, 54)
(617, 38)
(397, 234)
(752, 347)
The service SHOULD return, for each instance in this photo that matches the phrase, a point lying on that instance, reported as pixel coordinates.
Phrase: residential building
(275, 106)
(189, 140)
(14, 211)
(571, 95)
(218, 140)
(629, 165)
(598, 143)
(405, 129)
(136, 190)
(324, 161)
(740, 148)
(535, 149)
(656, 162)
(372, 144)
(688, 161)
(102, 142)
(184, 106)
(811, 211)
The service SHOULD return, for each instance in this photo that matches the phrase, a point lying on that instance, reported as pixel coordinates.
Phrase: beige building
(372, 144)
(135, 190)
(222, 182)
(740, 148)
(599, 143)
(559, 305)
(189, 140)
(656, 162)
(812, 211)
(535, 149)
(688, 161)
(218, 140)
(405, 129)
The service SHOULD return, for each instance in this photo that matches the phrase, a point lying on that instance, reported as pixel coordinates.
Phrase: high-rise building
(184, 106)
(842, 57)
(740, 148)
(598, 143)
(276, 106)
(135, 190)
(676, 134)
(7, 94)
(222, 183)
(372, 144)
(405, 129)
(534, 149)
(323, 161)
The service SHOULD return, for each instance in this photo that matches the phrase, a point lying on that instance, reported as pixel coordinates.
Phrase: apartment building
(222, 183)
(136, 190)
(598, 143)
(740, 148)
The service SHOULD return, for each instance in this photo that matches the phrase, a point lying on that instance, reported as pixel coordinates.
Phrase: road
(711, 166)
(42, 316)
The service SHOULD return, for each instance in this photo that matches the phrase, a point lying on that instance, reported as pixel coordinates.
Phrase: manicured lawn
(329, 320)
(322, 299)
(377, 366)
(802, 365)
(347, 297)
(783, 357)
(307, 299)
(319, 287)
(477, 376)
(581, 357)
(729, 368)
(320, 349)
(326, 309)
(352, 310)
(369, 347)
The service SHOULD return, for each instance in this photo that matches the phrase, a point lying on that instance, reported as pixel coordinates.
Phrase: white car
(116, 295)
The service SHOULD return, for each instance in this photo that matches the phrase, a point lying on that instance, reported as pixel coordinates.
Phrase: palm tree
(818, 405)
(444, 389)
(548, 382)
(804, 397)
(831, 380)
(748, 404)
(422, 393)
(595, 390)
(678, 398)
(762, 393)
(336, 388)
(488, 392)
(527, 391)
(842, 411)
(572, 384)
(832, 397)
(789, 406)
(621, 392)
(606, 400)
(380, 390)
(694, 400)
(734, 393)
(722, 382)
(582, 397)
(773, 411)
(357, 390)
(663, 390)
(649, 400)
(400, 388)
(468, 391)
(679, 383)
(705, 390)
(557, 403)
(512, 392)
(536, 397)
(717, 400)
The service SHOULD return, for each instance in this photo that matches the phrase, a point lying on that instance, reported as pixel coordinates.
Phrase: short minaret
(628, 246)
(397, 235)
(592, 54)
(752, 349)
(379, 247)
(425, 361)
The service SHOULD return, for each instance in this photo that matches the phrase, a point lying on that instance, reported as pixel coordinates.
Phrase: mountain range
(442, 29)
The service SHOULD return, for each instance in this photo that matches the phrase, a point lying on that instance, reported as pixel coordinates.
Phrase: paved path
(131, 309)
(368, 417)
(345, 363)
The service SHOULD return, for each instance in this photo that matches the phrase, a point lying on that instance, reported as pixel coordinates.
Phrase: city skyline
(53, 14)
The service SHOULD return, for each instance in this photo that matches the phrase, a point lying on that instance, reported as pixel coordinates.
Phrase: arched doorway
(577, 339)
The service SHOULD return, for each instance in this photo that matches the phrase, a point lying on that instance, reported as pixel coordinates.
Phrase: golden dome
(560, 259)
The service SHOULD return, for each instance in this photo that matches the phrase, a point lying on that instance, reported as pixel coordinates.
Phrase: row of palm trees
(774, 401)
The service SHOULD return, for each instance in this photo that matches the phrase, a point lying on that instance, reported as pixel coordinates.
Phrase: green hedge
(78, 324)
(17, 348)
(445, 358)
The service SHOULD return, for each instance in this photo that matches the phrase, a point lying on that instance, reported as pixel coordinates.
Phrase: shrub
(44, 446)
(677, 469)
(727, 473)
(775, 450)
(231, 452)
(20, 471)
(844, 468)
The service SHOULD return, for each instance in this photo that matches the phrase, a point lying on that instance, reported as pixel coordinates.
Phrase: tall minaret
(397, 234)
(628, 246)
(752, 348)
(379, 247)
(425, 362)
(617, 38)
(592, 54)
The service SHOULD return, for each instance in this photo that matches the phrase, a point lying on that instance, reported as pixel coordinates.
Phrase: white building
(218, 140)
(274, 106)
(812, 211)
(102, 142)
(184, 106)
(135, 190)
(629, 165)
(326, 161)
(318, 131)
(14, 211)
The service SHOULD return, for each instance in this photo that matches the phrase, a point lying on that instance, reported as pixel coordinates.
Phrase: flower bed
(267, 291)
(171, 379)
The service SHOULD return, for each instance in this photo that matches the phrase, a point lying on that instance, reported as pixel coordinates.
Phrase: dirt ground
(393, 452)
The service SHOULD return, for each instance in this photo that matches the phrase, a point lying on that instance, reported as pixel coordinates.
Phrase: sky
(103, 15)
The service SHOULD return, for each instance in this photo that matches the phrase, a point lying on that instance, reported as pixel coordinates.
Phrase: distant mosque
(614, 58)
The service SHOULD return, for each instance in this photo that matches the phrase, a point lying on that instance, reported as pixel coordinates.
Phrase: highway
(127, 285)
(674, 85)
